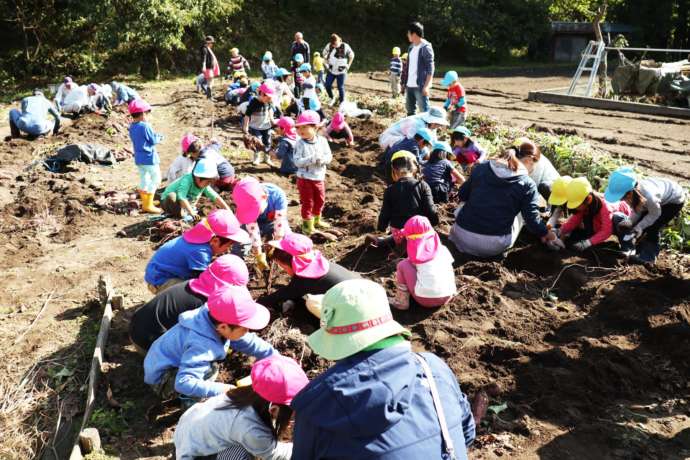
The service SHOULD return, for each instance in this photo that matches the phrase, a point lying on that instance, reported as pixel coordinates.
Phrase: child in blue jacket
(186, 353)
(144, 141)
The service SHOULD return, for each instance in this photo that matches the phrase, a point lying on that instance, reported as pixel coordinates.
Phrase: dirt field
(590, 354)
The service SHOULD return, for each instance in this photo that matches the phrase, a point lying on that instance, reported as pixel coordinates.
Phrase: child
(183, 359)
(466, 151)
(268, 67)
(312, 156)
(258, 118)
(592, 221)
(160, 313)
(455, 101)
(418, 146)
(179, 198)
(285, 151)
(311, 274)
(284, 96)
(655, 202)
(263, 209)
(405, 198)
(339, 129)
(184, 163)
(188, 255)
(395, 69)
(440, 174)
(237, 62)
(245, 422)
(309, 100)
(211, 152)
(144, 142)
(318, 66)
(297, 61)
(427, 273)
(235, 91)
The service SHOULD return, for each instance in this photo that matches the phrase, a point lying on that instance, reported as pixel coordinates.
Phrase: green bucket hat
(355, 315)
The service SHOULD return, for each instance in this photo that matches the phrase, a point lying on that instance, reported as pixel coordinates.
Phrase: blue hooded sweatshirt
(191, 346)
(377, 405)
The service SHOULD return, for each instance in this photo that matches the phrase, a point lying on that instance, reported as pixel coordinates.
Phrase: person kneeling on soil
(179, 198)
(655, 202)
(427, 273)
(262, 208)
(285, 152)
(159, 314)
(593, 220)
(466, 151)
(311, 274)
(226, 172)
(379, 399)
(183, 360)
(123, 93)
(31, 118)
(246, 422)
(339, 129)
(409, 126)
(440, 174)
(188, 255)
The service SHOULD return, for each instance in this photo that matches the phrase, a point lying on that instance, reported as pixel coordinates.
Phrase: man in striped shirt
(395, 71)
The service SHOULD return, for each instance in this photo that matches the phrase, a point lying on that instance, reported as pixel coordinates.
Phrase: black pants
(668, 213)
(439, 191)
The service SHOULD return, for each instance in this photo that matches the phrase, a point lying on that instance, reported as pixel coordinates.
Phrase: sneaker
(257, 158)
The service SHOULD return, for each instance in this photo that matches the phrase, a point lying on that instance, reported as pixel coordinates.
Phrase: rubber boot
(319, 224)
(147, 204)
(402, 298)
(308, 226)
(257, 158)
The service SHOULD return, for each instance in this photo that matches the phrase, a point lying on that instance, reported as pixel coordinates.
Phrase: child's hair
(280, 256)
(222, 241)
(455, 136)
(194, 147)
(137, 116)
(438, 155)
(405, 165)
(638, 201)
(526, 149)
(242, 397)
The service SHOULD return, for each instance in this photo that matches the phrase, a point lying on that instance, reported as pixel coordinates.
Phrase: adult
(299, 46)
(31, 118)
(420, 70)
(123, 93)
(99, 98)
(499, 198)
(409, 126)
(379, 400)
(209, 64)
(76, 101)
(63, 90)
(338, 56)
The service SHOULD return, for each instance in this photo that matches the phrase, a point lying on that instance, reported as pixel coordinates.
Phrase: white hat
(435, 115)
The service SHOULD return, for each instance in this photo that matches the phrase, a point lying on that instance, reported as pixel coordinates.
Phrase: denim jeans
(416, 98)
(340, 79)
(264, 135)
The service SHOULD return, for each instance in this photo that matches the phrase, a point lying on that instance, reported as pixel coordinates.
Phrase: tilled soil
(590, 354)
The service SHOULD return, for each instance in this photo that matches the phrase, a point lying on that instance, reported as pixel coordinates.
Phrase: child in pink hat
(427, 273)
(194, 150)
(258, 118)
(144, 141)
(339, 129)
(312, 156)
(262, 208)
(248, 421)
(285, 152)
(160, 313)
(184, 162)
(311, 273)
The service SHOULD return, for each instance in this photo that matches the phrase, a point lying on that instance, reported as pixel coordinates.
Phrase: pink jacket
(603, 224)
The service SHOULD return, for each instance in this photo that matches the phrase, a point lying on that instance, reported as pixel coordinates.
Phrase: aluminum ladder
(594, 51)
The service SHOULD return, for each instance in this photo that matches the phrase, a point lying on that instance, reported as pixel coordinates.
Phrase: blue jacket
(32, 117)
(191, 346)
(124, 94)
(425, 63)
(494, 195)
(144, 141)
(410, 145)
(375, 405)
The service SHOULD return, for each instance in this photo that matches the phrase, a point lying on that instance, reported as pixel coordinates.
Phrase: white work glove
(582, 245)
(555, 245)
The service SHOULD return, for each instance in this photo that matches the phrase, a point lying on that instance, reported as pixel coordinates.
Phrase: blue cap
(205, 168)
(255, 85)
(426, 134)
(298, 57)
(450, 78)
(463, 130)
(442, 146)
(622, 180)
(281, 73)
(306, 67)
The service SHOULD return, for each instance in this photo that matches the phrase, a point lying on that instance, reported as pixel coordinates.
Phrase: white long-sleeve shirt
(658, 192)
(312, 158)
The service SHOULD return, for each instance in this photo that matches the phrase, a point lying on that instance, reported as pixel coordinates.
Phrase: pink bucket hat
(308, 117)
(267, 89)
(234, 305)
(248, 196)
(221, 222)
(138, 106)
(307, 262)
(187, 140)
(287, 124)
(278, 379)
(338, 122)
(422, 240)
(225, 270)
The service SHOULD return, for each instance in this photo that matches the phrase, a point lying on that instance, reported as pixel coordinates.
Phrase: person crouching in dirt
(407, 127)
(246, 422)
(159, 314)
(406, 197)
(144, 141)
(427, 273)
(499, 198)
(258, 119)
(186, 256)
(32, 117)
(99, 99)
(179, 199)
(235, 91)
(183, 361)
(285, 151)
(655, 202)
(211, 151)
(418, 146)
(440, 174)
(339, 129)
(593, 220)
(466, 151)
(262, 209)
(346, 412)
(312, 157)
(123, 93)
(311, 274)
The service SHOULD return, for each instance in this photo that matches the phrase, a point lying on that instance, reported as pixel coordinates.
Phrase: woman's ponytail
(512, 159)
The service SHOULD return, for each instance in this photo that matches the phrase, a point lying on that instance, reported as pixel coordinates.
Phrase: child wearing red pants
(312, 156)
